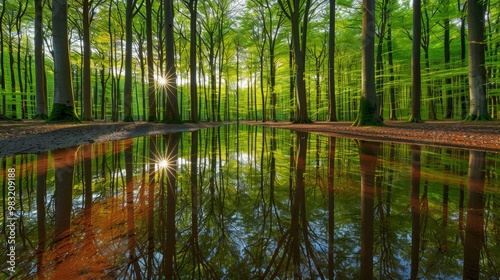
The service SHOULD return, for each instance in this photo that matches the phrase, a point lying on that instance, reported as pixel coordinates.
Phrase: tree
(172, 110)
(416, 79)
(368, 114)
(390, 61)
(271, 22)
(87, 16)
(297, 12)
(478, 109)
(64, 102)
(41, 88)
(150, 62)
(193, 85)
(332, 111)
(2, 68)
(131, 11)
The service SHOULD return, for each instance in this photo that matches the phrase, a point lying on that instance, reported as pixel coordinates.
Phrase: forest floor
(482, 136)
(32, 136)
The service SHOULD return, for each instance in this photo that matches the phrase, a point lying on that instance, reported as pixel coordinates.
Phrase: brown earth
(32, 136)
(35, 136)
(483, 136)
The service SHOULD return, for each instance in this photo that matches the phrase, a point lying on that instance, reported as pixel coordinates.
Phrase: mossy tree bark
(368, 114)
(478, 109)
(64, 102)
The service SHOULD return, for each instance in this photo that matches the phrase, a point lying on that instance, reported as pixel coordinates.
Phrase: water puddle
(240, 202)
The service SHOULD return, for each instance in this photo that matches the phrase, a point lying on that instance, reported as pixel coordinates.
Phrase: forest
(264, 60)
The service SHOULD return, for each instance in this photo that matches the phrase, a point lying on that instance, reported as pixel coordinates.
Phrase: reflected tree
(295, 243)
(415, 210)
(331, 206)
(64, 163)
(474, 227)
(153, 154)
(171, 146)
(41, 192)
(368, 153)
(129, 193)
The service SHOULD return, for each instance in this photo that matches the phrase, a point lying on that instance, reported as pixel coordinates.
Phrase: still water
(246, 202)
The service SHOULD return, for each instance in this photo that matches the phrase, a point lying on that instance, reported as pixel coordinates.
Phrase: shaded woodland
(266, 60)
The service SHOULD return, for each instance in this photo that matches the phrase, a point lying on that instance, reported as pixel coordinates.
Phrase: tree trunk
(192, 61)
(478, 109)
(298, 14)
(127, 89)
(172, 110)
(368, 114)
(416, 89)
(87, 54)
(447, 55)
(392, 91)
(332, 110)
(151, 72)
(64, 102)
(299, 27)
(41, 88)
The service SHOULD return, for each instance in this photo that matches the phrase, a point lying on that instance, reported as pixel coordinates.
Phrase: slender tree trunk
(272, 68)
(292, 83)
(103, 92)
(392, 91)
(332, 107)
(87, 54)
(193, 4)
(2, 67)
(127, 89)
(416, 89)
(12, 76)
(447, 56)
(150, 61)
(41, 88)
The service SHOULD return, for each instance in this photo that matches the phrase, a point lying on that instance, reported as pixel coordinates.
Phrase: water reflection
(248, 202)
